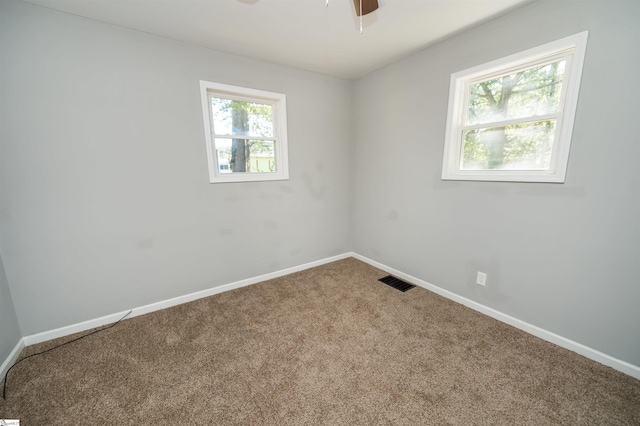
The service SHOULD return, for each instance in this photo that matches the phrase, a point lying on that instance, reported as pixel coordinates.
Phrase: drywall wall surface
(9, 330)
(564, 257)
(106, 202)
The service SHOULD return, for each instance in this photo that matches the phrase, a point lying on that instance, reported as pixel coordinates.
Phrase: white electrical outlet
(482, 278)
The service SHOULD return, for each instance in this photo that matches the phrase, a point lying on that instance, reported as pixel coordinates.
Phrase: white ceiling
(299, 33)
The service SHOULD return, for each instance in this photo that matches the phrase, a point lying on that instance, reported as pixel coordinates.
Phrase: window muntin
(246, 133)
(511, 119)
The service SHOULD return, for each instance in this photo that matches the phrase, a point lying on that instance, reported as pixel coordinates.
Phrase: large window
(512, 119)
(246, 133)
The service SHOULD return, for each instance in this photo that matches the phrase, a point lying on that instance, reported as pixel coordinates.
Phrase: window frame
(572, 49)
(278, 101)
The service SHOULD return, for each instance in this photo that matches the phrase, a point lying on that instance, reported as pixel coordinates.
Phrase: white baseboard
(623, 366)
(579, 348)
(11, 359)
(108, 319)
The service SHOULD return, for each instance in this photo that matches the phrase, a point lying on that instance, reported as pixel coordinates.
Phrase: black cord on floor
(4, 388)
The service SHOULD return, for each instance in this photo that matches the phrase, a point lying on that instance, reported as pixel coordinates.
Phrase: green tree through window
(511, 119)
(245, 133)
(534, 92)
(246, 119)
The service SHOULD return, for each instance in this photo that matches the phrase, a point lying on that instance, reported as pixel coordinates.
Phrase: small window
(246, 133)
(512, 119)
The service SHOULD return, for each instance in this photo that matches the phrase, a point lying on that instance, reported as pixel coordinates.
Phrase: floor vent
(396, 283)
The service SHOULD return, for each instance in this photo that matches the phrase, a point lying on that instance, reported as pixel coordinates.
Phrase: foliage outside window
(246, 133)
(512, 119)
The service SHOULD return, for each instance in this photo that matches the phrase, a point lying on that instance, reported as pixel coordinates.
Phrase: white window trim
(573, 48)
(279, 103)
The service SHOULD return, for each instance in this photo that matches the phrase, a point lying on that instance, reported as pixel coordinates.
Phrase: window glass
(524, 146)
(533, 91)
(241, 118)
(245, 155)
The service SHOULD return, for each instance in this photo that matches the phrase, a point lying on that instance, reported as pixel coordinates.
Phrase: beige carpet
(329, 345)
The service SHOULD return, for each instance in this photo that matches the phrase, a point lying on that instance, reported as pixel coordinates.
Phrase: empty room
(319, 212)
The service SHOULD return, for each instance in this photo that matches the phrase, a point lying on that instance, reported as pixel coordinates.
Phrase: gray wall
(105, 197)
(564, 257)
(9, 330)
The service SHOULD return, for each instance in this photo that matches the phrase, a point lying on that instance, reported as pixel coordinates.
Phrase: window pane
(533, 91)
(245, 156)
(241, 118)
(525, 146)
(223, 153)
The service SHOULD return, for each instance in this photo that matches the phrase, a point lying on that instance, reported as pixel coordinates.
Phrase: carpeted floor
(329, 345)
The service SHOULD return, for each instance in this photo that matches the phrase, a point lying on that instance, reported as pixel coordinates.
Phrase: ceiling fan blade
(368, 6)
